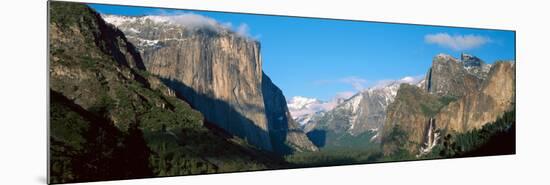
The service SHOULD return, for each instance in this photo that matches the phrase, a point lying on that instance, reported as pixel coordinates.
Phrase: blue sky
(320, 58)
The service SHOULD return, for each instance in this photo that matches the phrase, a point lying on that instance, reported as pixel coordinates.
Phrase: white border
(23, 94)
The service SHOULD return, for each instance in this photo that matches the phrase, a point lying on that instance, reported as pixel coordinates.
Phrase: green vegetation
(364, 151)
(396, 145)
(431, 108)
(347, 149)
(70, 13)
(349, 141)
(334, 141)
(328, 157)
(445, 100)
(110, 121)
(496, 138)
(86, 147)
(411, 99)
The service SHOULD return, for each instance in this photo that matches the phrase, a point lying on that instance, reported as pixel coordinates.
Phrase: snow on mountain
(389, 88)
(421, 83)
(352, 105)
(181, 23)
(303, 109)
(188, 20)
(154, 31)
(364, 111)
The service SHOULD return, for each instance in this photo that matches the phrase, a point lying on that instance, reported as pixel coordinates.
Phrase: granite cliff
(495, 96)
(110, 119)
(458, 95)
(219, 72)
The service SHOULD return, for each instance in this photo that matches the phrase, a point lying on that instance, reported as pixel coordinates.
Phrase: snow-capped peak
(302, 109)
(421, 83)
(354, 101)
(408, 79)
(186, 20)
(445, 56)
(388, 88)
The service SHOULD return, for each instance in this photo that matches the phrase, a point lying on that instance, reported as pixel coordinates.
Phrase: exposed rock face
(107, 113)
(90, 63)
(449, 77)
(86, 50)
(364, 112)
(473, 110)
(459, 95)
(283, 129)
(471, 61)
(411, 112)
(371, 114)
(219, 76)
(218, 72)
(475, 66)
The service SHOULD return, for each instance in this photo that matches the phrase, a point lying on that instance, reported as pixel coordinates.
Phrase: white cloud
(406, 79)
(344, 95)
(360, 84)
(337, 99)
(411, 79)
(457, 42)
(243, 30)
(227, 24)
(357, 82)
(196, 21)
(299, 106)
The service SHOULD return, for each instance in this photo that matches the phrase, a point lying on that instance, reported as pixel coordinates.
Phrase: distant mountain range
(303, 109)
(373, 111)
(362, 112)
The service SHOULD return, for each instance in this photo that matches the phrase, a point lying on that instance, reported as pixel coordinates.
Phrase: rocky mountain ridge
(220, 73)
(364, 112)
(108, 113)
(303, 109)
(457, 96)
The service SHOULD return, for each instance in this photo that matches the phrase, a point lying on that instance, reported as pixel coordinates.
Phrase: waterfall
(432, 137)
